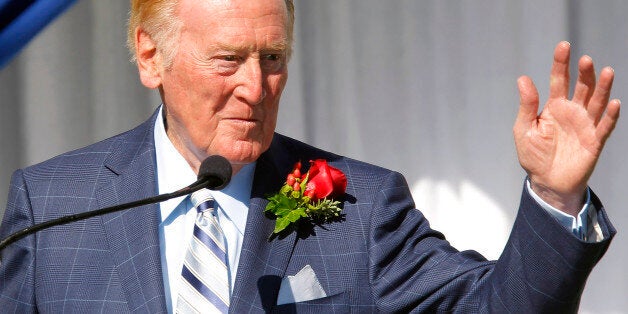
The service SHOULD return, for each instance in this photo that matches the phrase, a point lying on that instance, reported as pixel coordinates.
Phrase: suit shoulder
(348, 165)
(85, 160)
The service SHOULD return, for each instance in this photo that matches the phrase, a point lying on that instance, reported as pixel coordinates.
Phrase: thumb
(528, 104)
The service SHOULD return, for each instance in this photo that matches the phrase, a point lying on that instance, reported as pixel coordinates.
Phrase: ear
(149, 61)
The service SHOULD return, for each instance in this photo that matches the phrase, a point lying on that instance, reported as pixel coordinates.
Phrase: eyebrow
(281, 45)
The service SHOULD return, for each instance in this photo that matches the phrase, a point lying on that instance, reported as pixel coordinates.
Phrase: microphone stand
(199, 184)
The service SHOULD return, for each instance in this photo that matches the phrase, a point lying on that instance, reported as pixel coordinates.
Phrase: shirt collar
(174, 173)
(235, 198)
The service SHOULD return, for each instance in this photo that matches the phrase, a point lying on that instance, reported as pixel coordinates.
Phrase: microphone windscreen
(216, 170)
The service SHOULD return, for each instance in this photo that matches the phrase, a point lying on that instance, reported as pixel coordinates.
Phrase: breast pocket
(337, 303)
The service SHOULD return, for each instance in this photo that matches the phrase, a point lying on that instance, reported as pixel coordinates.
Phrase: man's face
(222, 92)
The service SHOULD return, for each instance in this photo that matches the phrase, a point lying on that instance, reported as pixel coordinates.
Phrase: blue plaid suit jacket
(382, 257)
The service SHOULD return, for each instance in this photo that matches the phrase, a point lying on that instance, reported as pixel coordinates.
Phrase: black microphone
(214, 174)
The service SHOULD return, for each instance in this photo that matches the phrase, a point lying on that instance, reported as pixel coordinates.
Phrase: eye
(272, 62)
(230, 58)
(272, 57)
(226, 64)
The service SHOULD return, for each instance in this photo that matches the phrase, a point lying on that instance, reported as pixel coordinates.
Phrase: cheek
(195, 83)
(195, 103)
(276, 84)
(200, 105)
(270, 120)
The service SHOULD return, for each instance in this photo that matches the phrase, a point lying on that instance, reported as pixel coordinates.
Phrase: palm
(560, 147)
(563, 142)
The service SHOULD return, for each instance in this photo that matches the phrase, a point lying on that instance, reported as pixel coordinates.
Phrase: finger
(601, 94)
(609, 120)
(559, 75)
(586, 81)
(528, 104)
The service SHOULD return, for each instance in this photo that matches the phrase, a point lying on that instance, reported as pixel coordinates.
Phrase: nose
(250, 86)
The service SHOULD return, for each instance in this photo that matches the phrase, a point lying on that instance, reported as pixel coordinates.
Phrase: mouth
(243, 121)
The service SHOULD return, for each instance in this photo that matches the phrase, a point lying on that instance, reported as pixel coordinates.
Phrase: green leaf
(270, 207)
(288, 203)
(295, 215)
(282, 212)
(301, 211)
(281, 224)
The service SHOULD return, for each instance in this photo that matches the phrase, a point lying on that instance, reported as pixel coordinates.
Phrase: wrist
(568, 202)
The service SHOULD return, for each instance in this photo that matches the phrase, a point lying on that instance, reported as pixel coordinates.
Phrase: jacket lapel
(133, 234)
(262, 261)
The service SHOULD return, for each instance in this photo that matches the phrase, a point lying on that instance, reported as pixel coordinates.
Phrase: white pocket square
(303, 286)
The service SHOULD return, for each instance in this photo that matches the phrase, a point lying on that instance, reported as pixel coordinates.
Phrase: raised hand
(559, 147)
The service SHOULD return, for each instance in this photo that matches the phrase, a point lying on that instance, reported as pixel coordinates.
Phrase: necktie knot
(203, 201)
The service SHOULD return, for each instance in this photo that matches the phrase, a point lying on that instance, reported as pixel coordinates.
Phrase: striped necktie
(204, 284)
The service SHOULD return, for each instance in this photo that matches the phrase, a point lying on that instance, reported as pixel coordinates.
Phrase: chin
(243, 153)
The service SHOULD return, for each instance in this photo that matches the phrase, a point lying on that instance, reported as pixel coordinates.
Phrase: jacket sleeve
(545, 266)
(414, 269)
(17, 268)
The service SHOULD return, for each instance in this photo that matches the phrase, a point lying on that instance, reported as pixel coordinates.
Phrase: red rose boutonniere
(309, 196)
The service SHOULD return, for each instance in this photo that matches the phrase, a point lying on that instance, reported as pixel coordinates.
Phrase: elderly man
(220, 67)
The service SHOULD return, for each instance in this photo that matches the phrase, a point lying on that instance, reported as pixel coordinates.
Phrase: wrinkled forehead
(235, 13)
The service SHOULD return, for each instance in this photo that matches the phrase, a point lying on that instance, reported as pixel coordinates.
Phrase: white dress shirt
(178, 214)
